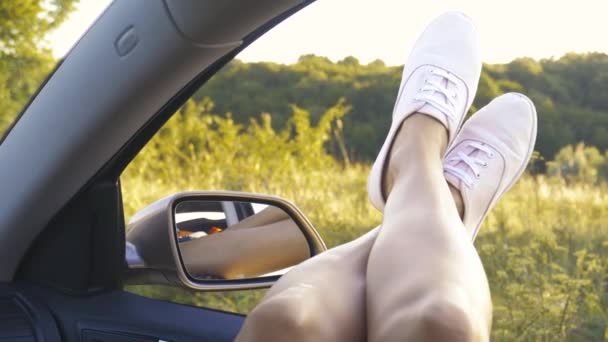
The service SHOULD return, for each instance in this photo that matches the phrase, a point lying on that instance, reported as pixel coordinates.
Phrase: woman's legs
(322, 299)
(425, 281)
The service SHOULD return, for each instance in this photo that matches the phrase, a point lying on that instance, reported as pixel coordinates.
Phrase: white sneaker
(440, 80)
(490, 154)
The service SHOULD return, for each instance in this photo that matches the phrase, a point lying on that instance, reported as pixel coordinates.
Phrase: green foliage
(570, 95)
(232, 301)
(578, 164)
(25, 23)
(24, 59)
(544, 251)
(314, 83)
(200, 150)
(544, 247)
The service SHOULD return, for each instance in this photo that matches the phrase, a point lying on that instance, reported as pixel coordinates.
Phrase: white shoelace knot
(472, 163)
(433, 85)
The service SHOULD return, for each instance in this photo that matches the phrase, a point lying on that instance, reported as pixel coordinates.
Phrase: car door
(62, 255)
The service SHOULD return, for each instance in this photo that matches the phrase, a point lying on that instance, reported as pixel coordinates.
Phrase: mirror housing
(153, 245)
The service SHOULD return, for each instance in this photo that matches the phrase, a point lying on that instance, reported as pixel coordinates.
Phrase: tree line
(25, 56)
(570, 93)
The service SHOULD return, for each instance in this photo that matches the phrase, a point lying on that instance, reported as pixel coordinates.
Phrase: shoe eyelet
(491, 155)
(485, 164)
(477, 175)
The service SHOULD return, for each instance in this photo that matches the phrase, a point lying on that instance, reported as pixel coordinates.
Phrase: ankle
(419, 144)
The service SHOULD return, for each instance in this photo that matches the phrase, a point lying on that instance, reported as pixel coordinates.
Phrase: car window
(307, 123)
(34, 37)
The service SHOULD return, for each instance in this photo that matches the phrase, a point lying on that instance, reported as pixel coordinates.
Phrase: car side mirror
(218, 240)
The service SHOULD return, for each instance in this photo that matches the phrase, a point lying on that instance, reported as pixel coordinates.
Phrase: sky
(387, 29)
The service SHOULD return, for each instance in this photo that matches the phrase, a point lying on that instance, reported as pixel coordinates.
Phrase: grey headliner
(97, 100)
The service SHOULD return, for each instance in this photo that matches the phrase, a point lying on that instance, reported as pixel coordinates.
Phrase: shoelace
(434, 85)
(473, 163)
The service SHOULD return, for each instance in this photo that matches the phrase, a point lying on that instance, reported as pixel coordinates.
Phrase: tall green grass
(544, 247)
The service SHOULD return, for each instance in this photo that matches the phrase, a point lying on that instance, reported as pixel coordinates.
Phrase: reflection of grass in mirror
(545, 247)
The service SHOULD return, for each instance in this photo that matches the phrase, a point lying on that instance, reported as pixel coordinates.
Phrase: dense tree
(25, 58)
(577, 164)
(569, 93)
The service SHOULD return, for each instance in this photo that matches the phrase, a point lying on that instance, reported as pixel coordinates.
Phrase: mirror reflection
(237, 239)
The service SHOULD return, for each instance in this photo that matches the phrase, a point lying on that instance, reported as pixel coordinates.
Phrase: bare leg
(425, 281)
(320, 300)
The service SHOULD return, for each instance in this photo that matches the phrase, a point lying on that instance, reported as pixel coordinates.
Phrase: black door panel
(24, 319)
(119, 316)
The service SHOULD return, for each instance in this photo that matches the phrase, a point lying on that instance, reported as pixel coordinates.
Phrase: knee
(441, 320)
(293, 315)
(436, 319)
